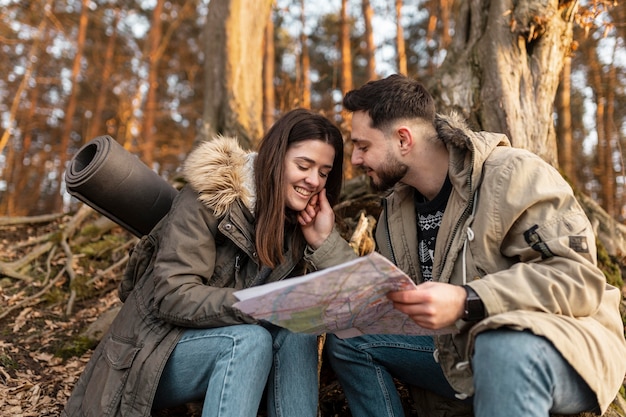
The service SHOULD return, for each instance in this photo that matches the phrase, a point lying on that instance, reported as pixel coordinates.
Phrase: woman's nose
(313, 178)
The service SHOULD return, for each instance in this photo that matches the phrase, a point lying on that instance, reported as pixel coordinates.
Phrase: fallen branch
(11, 269)
(46, 218)
(33, 299)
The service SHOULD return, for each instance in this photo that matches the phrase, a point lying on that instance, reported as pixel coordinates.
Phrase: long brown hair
(271, 214)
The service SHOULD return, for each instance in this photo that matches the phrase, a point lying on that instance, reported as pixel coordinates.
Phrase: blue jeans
(229, 368)
(516, 374)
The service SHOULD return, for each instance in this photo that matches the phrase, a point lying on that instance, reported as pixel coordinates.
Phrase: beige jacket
(514, 231)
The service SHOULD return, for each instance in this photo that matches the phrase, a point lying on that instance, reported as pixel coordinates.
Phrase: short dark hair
(391, 98)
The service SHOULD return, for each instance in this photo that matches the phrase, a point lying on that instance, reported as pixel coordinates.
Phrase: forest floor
(42, 351)
(46, 334)
(36, 372)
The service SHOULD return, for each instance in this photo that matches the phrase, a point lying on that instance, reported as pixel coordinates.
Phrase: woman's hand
(432, 305)
(317, 220)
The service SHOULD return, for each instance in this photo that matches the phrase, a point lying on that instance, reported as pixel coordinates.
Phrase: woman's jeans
(516, 374)
(228, 368)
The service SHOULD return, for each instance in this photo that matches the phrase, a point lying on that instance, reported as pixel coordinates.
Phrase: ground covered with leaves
(58, 281)
(51, 309)
(41, 355)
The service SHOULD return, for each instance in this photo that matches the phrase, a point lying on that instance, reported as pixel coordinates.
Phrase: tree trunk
(96, 126)
(370, 47)
(233, 103)
(68, 122)
(269, 93)
(400, 45)
(305, 63)
(148, 139)
(609, 189)
(346, 52)
(503, 74)
(564, 124)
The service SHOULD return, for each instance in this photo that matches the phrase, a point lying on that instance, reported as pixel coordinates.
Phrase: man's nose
(356, 158)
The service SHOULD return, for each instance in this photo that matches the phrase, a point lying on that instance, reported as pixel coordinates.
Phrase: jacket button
(228, 226)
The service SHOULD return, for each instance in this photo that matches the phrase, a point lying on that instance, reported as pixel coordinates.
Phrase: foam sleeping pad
(115, 183)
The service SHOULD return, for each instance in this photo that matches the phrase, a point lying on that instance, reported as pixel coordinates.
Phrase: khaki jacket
(515, 233)
(183, 274)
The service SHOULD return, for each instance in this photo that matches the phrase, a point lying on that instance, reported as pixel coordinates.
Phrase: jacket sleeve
(334, 251)
(539, 225)
(184, 263)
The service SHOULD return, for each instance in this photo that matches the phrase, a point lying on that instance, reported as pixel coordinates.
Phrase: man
(501, 250)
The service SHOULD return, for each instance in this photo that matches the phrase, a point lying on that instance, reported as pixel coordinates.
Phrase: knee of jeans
(337, 349)
(250, 337)
(506, 347)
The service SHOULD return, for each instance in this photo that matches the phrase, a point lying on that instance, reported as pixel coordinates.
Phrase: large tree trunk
(503, 67)
(502, 73)
(233, 102)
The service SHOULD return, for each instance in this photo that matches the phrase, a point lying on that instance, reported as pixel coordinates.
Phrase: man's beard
(388, 174)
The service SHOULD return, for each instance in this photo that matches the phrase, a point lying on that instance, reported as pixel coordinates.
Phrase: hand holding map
(348, 300)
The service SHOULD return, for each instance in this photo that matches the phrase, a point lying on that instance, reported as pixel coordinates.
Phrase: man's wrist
(474, 309)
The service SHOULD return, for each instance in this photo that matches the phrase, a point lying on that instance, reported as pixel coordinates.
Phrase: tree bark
(400, 44)
(564, 124)
(148, 140)
(305, 62)
(269, 93)
(233, 103)
(503, 67)
(370, 47)
(346, 53)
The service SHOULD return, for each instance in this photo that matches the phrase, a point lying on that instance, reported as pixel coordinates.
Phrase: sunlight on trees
(137, 72)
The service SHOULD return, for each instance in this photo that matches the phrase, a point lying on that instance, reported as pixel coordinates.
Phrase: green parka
(515, 233)
(183, 274)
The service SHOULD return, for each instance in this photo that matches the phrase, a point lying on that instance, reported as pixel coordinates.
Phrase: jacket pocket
(108, 379)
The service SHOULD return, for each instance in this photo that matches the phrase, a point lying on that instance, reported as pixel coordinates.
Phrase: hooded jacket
(514, 232)
(183, 274)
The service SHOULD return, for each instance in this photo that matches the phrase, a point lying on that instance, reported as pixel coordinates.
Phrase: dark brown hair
(392, 98)
(271, 214)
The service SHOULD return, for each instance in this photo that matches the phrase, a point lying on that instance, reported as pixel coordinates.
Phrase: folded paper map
(348, 300)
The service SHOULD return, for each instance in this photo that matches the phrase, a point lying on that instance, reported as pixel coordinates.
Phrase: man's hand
(317, 220)
(433, 305)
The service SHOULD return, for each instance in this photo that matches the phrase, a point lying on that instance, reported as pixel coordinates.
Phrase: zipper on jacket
(237, 267)
(465, 213)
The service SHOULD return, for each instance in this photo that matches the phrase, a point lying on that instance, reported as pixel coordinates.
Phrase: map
(347, 300)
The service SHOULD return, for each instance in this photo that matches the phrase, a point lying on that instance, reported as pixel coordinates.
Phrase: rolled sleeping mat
(115, 183)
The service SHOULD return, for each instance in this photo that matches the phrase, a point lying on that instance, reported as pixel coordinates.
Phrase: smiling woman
(234, 225)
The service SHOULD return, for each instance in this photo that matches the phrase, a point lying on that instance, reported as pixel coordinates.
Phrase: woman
(234, 225)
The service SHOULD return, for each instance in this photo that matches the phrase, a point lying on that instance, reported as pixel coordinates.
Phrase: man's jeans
(228, 368)
(515, 374)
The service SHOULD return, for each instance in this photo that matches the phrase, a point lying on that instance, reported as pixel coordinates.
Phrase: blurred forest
(139, 71)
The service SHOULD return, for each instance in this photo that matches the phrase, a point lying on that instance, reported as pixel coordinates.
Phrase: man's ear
(405, 137)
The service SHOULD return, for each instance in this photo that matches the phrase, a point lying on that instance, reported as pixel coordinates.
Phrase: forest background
(159, 76)
(137, 70)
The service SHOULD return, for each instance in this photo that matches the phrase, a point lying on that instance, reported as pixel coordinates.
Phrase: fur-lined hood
(221, 172)
(453, 130)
